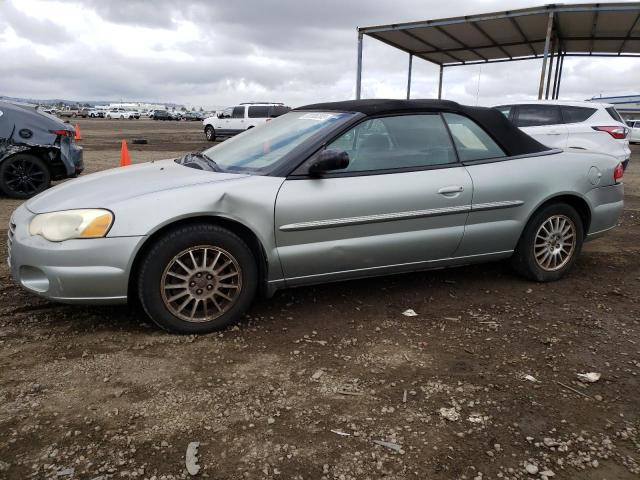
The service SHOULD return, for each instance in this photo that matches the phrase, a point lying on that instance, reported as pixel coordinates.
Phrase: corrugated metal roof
(601, 29)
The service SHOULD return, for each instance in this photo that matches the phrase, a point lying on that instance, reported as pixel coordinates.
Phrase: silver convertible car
(326, 192)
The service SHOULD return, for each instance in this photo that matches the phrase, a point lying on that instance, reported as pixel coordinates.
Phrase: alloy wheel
(201, 283)
(24, 177)
(555, 243)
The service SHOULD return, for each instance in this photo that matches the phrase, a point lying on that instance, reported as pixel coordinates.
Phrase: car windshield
(259, 149)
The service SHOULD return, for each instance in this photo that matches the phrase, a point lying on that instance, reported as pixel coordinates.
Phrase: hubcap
(555, 243)
(201, 283)
(24, 176)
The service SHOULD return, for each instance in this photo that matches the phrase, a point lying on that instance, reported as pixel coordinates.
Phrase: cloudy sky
(214, 53)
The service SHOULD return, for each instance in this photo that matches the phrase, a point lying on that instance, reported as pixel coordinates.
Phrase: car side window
(472, 142)
(238, 112)
(576, 114)
(613, 113)
(405, 141)
(504, 109)
(259, 111)
(537, 115)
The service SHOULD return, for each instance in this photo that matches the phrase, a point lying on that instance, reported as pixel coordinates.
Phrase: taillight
(63, 133)
(617, 132)
(618, 172)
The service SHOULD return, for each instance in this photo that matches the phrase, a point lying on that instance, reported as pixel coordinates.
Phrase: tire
(554, 253)
(161, 263)
(210, 133)
(121, 117)
(16, 168)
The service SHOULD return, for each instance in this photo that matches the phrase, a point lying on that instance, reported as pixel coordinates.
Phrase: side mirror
(329, 160)
(220, 115)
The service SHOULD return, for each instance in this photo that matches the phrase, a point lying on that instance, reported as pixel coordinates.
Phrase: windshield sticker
(318, 116)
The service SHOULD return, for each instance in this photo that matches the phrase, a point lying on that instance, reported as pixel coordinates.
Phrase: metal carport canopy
(549, 32)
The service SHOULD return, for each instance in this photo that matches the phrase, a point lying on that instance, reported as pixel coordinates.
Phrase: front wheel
(550, 243)
(197, 279)
(210, 133)
(23, 176)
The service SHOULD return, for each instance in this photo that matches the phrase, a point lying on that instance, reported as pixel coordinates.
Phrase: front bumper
(74, 271)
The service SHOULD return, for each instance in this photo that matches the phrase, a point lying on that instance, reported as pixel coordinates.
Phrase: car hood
(103, 189)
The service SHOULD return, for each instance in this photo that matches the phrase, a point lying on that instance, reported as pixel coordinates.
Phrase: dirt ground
(308, 383)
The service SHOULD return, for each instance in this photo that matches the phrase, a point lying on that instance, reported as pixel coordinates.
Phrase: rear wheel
(197, 279)
(23, 176)
(550, 243)
(210, 133)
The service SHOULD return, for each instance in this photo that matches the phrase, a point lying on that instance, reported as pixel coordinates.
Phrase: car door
(543, 122)
(400, 204)
(500, 191)
(236, 123)
(580, 135)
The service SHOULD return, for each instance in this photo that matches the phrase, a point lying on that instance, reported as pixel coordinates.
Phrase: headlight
(68, 224)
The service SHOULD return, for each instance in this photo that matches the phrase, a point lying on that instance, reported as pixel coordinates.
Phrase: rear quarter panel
(533, 181)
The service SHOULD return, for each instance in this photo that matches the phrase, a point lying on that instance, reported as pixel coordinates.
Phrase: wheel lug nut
(209, 287)
(199, 291)
(209, 277)
(192, 284)
(198, 275)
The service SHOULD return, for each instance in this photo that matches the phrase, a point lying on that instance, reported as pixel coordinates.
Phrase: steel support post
(547, 41)
(359, 68)
(409, 76)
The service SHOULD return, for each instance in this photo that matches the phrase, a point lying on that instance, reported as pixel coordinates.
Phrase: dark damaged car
(35, 148)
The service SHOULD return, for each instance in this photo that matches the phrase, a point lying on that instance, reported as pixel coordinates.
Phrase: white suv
(233, 120)
(634, 125)
(120, 113)
(592, 126)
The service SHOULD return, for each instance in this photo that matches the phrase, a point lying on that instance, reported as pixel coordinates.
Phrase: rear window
(536, 115)
(577, 114)
(261, 111)
(614, 114)
(504, 109)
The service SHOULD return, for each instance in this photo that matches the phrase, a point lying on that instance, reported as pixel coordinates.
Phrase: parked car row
(166, 115)
(123, 113)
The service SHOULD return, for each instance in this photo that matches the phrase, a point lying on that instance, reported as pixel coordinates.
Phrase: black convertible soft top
(513, 140)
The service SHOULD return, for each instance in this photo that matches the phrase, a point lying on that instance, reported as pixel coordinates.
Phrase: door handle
(450, 190)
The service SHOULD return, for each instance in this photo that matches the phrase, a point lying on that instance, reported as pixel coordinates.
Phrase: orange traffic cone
(78, 136)
(124, 154)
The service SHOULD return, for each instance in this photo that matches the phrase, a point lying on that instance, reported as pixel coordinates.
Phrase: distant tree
(201, 109)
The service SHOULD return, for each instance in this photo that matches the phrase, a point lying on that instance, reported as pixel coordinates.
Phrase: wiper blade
(212, 163)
